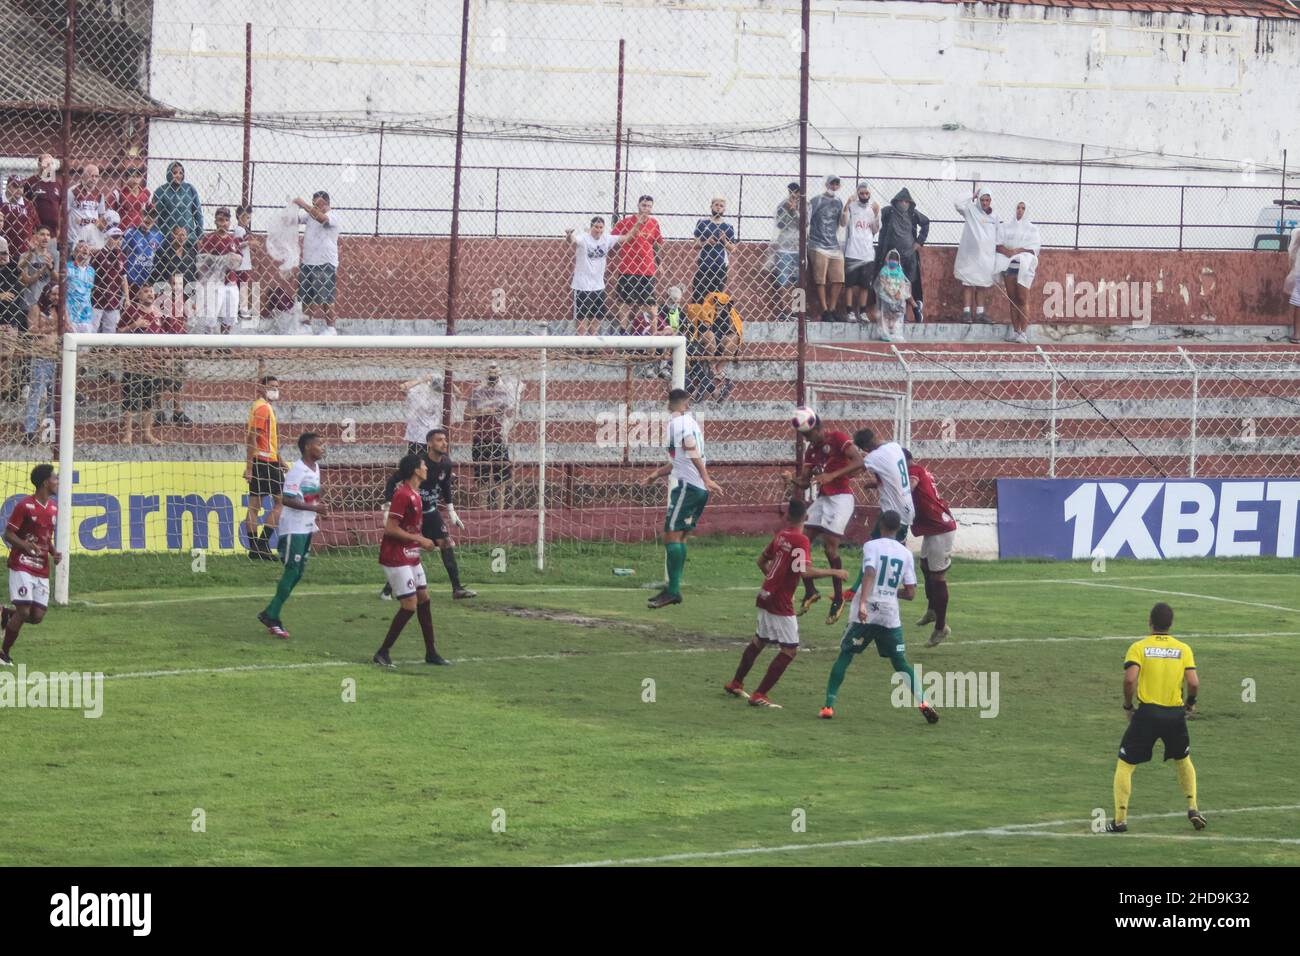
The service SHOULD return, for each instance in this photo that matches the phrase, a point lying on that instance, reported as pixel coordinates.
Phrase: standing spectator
(903, 228)
(46, 194)
(423, 412)
(141, 386)
(43, 321)
(86, 205)
(172, 370)
(977, 251)
(825, 257)
(176, 269)
(893, 294)
(130, 199)
(141, 242)
(111, 293)
(489, 408)
(38, 266)
(591, 252)
(19, 217)
(176, 203)
(242, 230)
(218, 264)
(861, 219)
(638, 261)
(1293, 278)
(318, 275)
(81, 285)
(13, 321)
(1019, 246)
(783, 253)
(714, 240)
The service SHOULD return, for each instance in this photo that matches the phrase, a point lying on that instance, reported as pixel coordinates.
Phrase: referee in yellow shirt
(1154, 669)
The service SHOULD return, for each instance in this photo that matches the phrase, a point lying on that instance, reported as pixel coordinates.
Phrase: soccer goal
(550, 437)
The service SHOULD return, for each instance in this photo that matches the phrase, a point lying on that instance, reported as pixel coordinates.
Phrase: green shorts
(889, 640)
(901, 536)
(294, 549)
(685, 505)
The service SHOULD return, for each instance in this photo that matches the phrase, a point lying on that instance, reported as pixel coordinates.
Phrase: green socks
(288, 581)
(903, 667)
(676, 562)
(838, 671)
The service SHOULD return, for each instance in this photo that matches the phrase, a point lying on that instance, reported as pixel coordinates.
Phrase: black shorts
(434, 528)
(139, 392)
(268, 479)
(636, 290)
(589, 304)
(858, 273)
(1151, 723)
(708, 279)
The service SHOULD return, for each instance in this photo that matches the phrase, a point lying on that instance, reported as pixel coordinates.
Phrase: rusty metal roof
(1258, 9)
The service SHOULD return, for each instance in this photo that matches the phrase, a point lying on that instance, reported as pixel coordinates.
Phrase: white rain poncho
(1020, 234)
(978, 248)
(282, 240)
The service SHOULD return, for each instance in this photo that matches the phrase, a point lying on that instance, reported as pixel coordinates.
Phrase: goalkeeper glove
(455, 518)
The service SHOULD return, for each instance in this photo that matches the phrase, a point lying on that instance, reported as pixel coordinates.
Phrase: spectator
(638, 262)
(714, 240)
(81, 285)
(129, 200)
(861, 219)
(141, 387)
(591, 252)
(672, 316)
(977, 251)
(43, 324)
(825, 257)
(904, 228)
(318, 275)
(719, 329)
(13, 321)
(489, 408)
(176, 269)
(18, 216)
(893, 294)
(783, 261)
(423, 412)
(1293, 278)
(46, 194)
(38, 266)
(1019, 246)
(111, 293)
(242, 230)
(86, 205)
(141, 242)
(170, 385)
(218, 264)
(176, 203)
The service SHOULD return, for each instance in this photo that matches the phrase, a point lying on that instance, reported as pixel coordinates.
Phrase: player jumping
(935, 523)
(829, 458)
(30, 536)
(888, 566)
(300, 499)
(887, 471)
(399, 554)
(435, 492)
(689, 495)
(783, 562)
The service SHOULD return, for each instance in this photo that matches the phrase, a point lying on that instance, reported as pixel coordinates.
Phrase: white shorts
(221, 301)
(25, 588)
(777, 628)
(405, 580)
(936, 550)
(106, 320)
(831, 512)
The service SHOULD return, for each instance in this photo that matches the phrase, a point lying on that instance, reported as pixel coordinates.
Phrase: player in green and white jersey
(302, 506)
(690, 493)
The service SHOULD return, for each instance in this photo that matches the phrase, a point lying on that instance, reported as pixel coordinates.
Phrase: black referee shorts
(268, 478)
(1151, 723)
(434, 528)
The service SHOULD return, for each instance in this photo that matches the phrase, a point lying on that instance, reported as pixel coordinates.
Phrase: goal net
(551, 437)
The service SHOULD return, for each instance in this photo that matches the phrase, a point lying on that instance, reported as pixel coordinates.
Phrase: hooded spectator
(904, 228)
(176, 203)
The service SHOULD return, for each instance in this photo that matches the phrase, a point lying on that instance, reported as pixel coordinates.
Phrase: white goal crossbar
(73, 343)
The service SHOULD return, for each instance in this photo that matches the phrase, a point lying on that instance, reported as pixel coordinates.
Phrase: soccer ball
(804, 420)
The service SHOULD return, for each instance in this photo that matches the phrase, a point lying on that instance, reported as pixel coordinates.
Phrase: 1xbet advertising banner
(143, 506)
(1147, 518)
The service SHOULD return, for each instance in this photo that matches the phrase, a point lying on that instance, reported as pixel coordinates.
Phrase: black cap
(794, 187)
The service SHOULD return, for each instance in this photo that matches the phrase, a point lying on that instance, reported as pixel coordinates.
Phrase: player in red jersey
(935, 523)
(399, 554)
(783, 562)
(829, 458)
(30, 536)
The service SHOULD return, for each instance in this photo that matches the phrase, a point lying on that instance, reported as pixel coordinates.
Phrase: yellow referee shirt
(1162, 660)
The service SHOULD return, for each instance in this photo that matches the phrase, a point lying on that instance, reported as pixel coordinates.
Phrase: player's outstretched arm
(826, 573)
(709, 483)
(907, 592)
(856, 463)
(658, 473)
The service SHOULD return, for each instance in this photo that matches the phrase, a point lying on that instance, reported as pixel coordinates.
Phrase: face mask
(272, 394)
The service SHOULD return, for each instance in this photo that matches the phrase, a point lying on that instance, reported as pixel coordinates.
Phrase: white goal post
(74, 345)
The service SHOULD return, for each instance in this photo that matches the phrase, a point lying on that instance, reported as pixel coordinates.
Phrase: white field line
(1009, 829)
(1188, 594)
(729, 646)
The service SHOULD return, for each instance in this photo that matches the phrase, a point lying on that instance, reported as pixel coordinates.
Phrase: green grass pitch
(539, 746)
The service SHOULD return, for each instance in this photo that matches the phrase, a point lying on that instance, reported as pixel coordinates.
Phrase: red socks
(774, 672)
(399, 622)
(937, 592)
(425, 614)
(747, 659)
(836, 563)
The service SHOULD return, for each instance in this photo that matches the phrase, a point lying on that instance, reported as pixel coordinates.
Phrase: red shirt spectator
(637, 254)
(47, 197)
(788, 551)
(220, 244)
(19, 218)
(129, 200)
(109, 263)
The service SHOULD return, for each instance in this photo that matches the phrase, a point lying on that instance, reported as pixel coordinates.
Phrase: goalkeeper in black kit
(435, 493)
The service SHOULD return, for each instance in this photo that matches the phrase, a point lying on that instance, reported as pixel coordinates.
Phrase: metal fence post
(1182, 195)
(1196, 410)
(1051, 435)
(905, 438)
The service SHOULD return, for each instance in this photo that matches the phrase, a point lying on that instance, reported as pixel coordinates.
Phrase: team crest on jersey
(22, 590)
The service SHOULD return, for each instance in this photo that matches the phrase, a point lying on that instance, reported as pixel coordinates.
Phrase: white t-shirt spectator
(320, 243)
(589, 258)
(423, 411)
(245, 252)
(860, 234)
